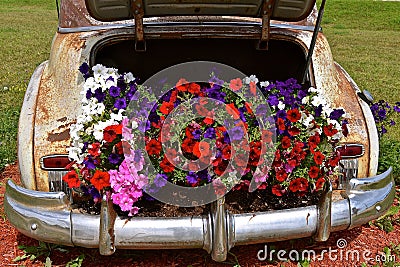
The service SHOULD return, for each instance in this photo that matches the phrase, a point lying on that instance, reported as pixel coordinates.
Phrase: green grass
(364, 37)
(26, 32)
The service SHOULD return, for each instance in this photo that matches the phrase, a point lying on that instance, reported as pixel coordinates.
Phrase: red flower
(293, 131)
(277, 190)
(241, 160)
(182, 85)
(314, 140)
(313, 172)
(153, 147)
(166, 107)
(232, 110)
(319, 184)
(286, 142)
(281, 175)
(243, 185)
(293, 115)
(333, 162)
(111, 132)
(194, 88)
(319, 157)
(94, 149)
(298, 185)
(329, 130)
(236, 84)
(255, 152)
(188, 144)
(267, 136)
(253, 88)
(281, 124)
(201, 110)
(226, 152)
(100, 180)
(201, 149)
(72, 179)
(219, 166)
(119, 148)
(167, 166)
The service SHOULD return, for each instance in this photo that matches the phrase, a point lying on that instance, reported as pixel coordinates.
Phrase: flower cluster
(99, 163)
(308, 129)
(383, 114)
(228, 133)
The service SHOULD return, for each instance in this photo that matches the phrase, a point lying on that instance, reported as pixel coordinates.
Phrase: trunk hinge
(266, 12)
(313, 40)
(138, 12)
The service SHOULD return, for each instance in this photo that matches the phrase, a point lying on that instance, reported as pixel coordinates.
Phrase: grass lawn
(364, 37)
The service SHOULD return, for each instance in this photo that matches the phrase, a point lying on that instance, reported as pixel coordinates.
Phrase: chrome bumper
(48, 217)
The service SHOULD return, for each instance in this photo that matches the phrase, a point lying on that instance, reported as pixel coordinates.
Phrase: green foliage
(77, 262)
(34, 252)
(389, 156)
(386, 222)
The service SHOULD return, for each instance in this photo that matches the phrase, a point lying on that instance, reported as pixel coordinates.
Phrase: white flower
(128, 77)
(318, 100)
(264, 84)
(99, 70)
(281, 105)
(252, 78)
(118, 117)
(307, 120)
(315, 90)
(74, 153)
(305, 100)
(134, 124)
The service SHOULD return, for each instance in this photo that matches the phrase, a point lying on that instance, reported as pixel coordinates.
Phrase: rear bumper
(48, 217)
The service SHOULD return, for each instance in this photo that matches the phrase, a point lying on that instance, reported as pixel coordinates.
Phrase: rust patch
(63, 119)
(54, 137)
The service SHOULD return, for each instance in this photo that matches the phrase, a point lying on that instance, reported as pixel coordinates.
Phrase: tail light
(57, 167)
(54, 162)
(348, 165)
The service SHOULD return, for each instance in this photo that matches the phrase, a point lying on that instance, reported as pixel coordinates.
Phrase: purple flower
(115, 91)
(215, 80)
(203, 175)
(89, 163)
(336, 114)
(84, 68)
(318, 111)
(191, 177)
(382, 114)
(114, 158)
(120, 103)
(281, 114)
(160, 180)
(88, 94)
(94, 193)
(261, 110)
(273, 100)
(196, 134)
(138, 155)
(210, 133)
(396, 108)
(99, 95)
(236, 133)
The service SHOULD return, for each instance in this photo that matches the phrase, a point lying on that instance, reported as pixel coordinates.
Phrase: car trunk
(282, 60)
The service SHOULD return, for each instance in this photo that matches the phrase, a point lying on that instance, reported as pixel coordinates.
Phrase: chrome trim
(48, 217)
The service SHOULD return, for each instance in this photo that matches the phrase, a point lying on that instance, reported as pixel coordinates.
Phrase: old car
(275, 40)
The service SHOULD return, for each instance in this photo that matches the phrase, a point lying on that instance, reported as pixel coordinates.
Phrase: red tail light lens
(350, 151)
(54, 162)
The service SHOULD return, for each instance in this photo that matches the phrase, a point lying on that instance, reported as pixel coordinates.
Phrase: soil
(353, 247)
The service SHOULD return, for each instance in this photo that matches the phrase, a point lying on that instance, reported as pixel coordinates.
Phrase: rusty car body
(145, 37)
